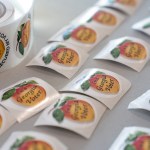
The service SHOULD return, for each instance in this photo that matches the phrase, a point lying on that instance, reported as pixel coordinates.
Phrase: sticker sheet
(27, 97)
(62, 57)
(130, 51)
(105, 19)
(126, 6)
(143, 26)
(74, 112)
(83, 35)
(103, 85)
(6, 120)
(29, 140)
(132, 138)
(142, 102)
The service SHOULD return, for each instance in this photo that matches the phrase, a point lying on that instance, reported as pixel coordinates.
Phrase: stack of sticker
(68, 48)
(84, 100)
(15, 31)
(130, 51)
(79, 108)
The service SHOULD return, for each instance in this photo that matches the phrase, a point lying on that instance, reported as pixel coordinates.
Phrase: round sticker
(103, 83)
(62, 55)
(30, 143)
(82, 34)
(104, 18)
(141, 141)
(23, 37)
(74, 109)
(4, 48)
(130, 50)
(1, 121)
(26, 94)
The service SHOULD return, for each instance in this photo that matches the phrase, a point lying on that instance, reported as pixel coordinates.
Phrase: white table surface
(52, 15)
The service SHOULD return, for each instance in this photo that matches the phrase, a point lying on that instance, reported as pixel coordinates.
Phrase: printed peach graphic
(82, 34)
(2, 49)
(124, 2)
(30, 143)
(62, 55)
(138, 141)
(1, 121)
(103, 83)
(131, 50)
(74, 109)
(26, 94)
(104, 18)
(25, 33)
(23, 37)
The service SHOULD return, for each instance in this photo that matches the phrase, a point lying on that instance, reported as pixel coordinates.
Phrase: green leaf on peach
(8, 94)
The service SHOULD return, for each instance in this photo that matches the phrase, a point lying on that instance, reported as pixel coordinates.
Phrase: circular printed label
(74, 109)
(23, 37)
(26, 94)
(131, 50)
(102, 83)
(105, 18)
(141, 141)
(81, 34)
(62, 55)
(4, 48)
(127, 2)
(30, 143)
(1, 121)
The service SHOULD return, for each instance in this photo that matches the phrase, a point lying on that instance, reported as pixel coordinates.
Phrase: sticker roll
(15, 31)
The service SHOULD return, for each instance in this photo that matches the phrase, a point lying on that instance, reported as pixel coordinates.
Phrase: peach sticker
(102, 82)
(75, 112)
(124, 2)
(82, 34)
(132, 138)
(103, 85)
(27, 93)
(1, 121)
(27, 97)
(131, 50)
(62, 55)
(30, 143)
(30, 140)
(23, 37)
(73, 109)
(105, 18)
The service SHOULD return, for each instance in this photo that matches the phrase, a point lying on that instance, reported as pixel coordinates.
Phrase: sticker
(4, 48)
(29, 140)
(6, 120)
(62, 57)
(84, 36)
(74, 112)
(126, 6)
(143, 26)
(105, 19)
(132, 138)
(129, 51)
(142, 102)
(6, 10)
(27, 97)
(23, 37)
(103, 85)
